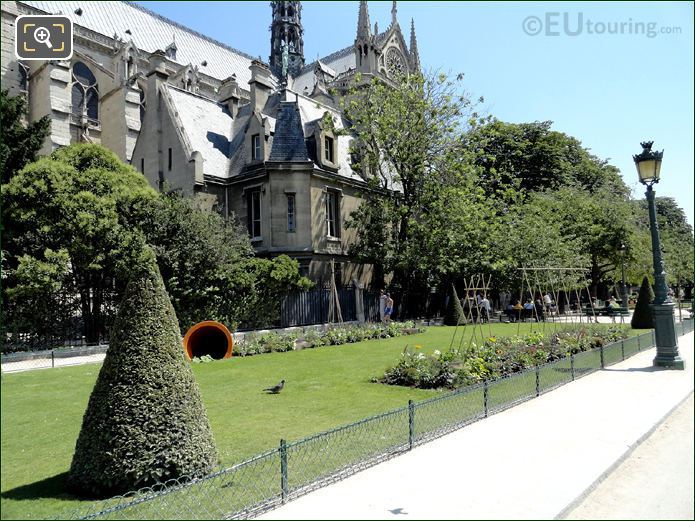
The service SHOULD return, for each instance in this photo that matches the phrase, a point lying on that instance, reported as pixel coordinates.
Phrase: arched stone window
(85, 92)
(129, 67)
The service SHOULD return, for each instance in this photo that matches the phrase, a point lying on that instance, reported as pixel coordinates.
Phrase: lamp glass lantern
(648, 164)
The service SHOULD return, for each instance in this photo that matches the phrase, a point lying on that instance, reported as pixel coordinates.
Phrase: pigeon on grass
(276, 388)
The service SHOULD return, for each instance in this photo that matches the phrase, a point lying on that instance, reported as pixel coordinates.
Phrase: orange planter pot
(208, 338)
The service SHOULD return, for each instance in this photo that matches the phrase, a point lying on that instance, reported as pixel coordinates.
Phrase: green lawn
(326, 387)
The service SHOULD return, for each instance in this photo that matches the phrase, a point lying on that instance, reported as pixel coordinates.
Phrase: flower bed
(494, 358)
(275, 342)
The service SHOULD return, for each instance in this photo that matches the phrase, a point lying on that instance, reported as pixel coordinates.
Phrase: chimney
(261, 85)
(229, 94)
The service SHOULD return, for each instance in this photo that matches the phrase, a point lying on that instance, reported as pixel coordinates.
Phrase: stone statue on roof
(285, 59)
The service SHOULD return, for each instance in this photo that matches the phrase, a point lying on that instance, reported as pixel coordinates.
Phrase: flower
(418, 347)
(437, 352)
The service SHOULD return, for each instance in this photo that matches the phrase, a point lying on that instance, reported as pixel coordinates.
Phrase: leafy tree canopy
(20, 141)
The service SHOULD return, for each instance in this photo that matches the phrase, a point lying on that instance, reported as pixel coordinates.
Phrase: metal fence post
(603, 365)
(572, 365)
(653, 337)
(283, 469)
(538, 380)
(53, 358)
(639, 347)
(411, 424)
(622, 348)
(485, 392)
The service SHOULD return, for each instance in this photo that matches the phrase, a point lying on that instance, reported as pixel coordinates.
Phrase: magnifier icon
(42, 35)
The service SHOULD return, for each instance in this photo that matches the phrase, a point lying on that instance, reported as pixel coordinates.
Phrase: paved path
(47, 363)
(531, 461)
(654, 482)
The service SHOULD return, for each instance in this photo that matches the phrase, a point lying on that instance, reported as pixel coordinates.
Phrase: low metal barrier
(295, 468)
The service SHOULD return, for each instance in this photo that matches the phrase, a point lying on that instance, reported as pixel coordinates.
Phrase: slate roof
(151, 31)
(312, 112)
(288, 142)
(208, 127)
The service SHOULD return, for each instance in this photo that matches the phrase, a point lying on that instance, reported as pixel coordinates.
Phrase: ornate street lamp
(649, 168)
(622, 251)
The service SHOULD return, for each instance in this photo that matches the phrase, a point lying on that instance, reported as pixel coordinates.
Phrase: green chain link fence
(293, 469)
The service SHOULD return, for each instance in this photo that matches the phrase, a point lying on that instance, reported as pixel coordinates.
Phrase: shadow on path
(648, 369)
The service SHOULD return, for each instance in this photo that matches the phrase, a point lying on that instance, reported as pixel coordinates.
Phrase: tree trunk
(91, 303)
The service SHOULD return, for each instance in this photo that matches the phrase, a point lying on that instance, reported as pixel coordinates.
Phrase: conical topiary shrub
(454, 315)
(145, 421)
(643, 318)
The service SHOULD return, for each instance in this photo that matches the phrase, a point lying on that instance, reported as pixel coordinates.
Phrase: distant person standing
(548, 302)
(388, 309)
(382, 305)
(485, 309)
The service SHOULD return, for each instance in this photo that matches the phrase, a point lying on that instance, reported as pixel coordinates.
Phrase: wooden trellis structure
(477, 284)
(554, 280)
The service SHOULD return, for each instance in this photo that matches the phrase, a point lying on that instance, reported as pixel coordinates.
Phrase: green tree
(584, 194)
(73, 202)
(208, 265)
(676, 236)
(205, 261)
(407, 142)
(20, 141)
(145, 422)
(643, 318)
(40, 300)
(533, 157)
(79, 219)
(533, 234)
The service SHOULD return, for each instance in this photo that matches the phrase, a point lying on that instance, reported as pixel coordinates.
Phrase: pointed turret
(394, 13)
(363, 25)
(286, 39)
(414, 54)
(364, 41)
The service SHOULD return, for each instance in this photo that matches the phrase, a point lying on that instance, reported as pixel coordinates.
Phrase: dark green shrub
(643, 317)
(145, 421)
(454, 311)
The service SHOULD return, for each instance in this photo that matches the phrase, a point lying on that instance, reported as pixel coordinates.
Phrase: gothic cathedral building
(245, 137)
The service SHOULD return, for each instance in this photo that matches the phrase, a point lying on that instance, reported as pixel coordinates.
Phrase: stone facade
(252, 140)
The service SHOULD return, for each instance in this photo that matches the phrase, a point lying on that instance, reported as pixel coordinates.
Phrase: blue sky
(611, 91)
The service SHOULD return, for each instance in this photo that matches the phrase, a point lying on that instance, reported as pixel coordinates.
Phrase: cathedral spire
(414, 54)
(286, 37)
(394, 13)
(363, 25)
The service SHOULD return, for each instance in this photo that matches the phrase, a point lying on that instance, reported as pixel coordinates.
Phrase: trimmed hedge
(145, 422)
(643, 317)
(279, 343)
(454, 315)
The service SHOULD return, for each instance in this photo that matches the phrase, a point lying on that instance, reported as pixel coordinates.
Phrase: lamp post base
(671, 363)
(666, 342)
